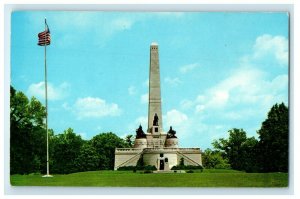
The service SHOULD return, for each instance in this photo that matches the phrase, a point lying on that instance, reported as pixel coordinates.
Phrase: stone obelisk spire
(154, 89)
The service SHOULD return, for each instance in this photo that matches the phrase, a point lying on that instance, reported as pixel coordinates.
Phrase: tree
(249, 155)
(66, 148)
(105, 144)
(27, 134)
(214, 160)
(87, 159)
(129, 140)
(236, 149)
(273, 145)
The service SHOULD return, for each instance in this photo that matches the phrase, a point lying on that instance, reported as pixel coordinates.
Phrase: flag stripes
(44, 37)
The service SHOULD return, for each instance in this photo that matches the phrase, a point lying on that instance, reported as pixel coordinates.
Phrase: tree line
(70, 153)
(270, 153)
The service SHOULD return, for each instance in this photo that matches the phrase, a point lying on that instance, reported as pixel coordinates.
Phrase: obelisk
(154, 89)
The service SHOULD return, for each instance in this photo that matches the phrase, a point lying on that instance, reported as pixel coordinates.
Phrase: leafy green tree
(105, 144)
(87, 159)
(214, 160)
(236, 149)
(129, 140)
(273, 146)
(27, 134)
(65, 149)
(248, 155)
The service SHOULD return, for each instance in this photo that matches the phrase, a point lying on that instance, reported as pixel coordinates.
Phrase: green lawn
(207, 178)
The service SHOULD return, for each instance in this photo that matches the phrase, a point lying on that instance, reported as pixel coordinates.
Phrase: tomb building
(154, 146)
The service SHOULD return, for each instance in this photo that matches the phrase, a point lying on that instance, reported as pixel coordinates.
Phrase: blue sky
(218, 70)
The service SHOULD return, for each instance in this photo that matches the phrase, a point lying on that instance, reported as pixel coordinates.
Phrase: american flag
(44, 37)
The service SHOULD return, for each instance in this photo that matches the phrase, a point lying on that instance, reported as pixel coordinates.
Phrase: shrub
(135, 168)
(223, 166)
(190, 171)
(150, 167)
(187, 167)
(127, 168)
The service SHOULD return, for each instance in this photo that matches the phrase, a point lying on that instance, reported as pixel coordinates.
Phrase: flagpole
(46, 99)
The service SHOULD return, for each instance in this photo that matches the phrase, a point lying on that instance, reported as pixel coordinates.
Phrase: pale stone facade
(156, 147)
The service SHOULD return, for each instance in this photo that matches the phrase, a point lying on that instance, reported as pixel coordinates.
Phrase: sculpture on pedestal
(171, 133)
(140, 133)
(155, 120)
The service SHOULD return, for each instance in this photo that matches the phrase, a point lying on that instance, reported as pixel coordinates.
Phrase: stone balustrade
(136, 150)
(128, 150)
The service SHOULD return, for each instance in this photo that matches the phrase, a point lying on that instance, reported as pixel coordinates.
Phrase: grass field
(207, 178)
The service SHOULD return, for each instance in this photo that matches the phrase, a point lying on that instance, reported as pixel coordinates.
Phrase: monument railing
(127, 150)
(135, 150)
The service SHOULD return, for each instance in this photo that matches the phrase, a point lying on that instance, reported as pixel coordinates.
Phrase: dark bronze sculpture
(140, 133)
(171, 133)
(155, 121)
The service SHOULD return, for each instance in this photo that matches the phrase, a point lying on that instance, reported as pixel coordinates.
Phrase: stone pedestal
(140, 143)
(172, 143)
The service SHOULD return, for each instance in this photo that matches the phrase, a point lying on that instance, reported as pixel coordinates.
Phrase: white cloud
(234, 97)
(132, 90)
(276, 46)
(145, 98)
(90, 107)
(173, 81)
(240, 87)
(175, 117)
(187, 68)
(53, 92)
(179, 122)
(243, 98)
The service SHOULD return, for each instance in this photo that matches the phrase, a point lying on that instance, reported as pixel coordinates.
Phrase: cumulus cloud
(245, 86)
(175, 117)
(173, 81)
(54, 92)
(248, 92)
(187, 68)
(179, 122)
(276, 46)
(90, 107)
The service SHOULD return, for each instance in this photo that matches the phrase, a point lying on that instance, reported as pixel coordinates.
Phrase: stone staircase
(130, 160)
(188, 159)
